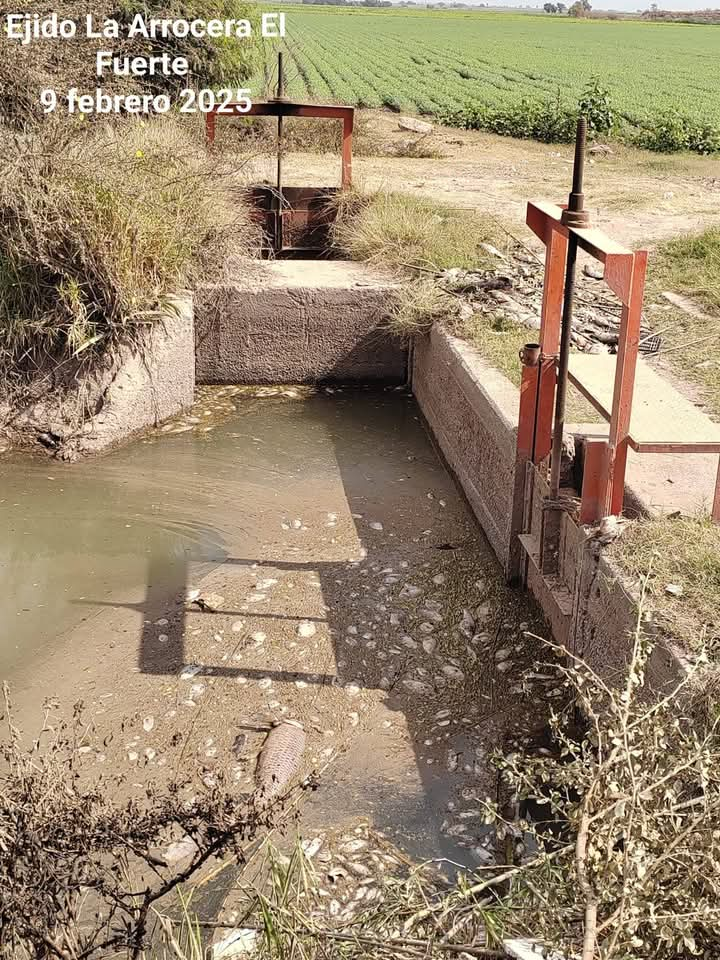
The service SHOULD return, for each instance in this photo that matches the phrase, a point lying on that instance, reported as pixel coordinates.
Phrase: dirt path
(636, 196)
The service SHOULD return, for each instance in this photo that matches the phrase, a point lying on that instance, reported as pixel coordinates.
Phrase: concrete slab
(298, 321)
(319, 274)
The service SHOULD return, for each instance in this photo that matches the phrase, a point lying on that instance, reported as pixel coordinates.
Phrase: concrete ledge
(298, 322)
(150, 385)
(83, 409)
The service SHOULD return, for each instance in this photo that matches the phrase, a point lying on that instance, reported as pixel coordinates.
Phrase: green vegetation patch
(519, 75)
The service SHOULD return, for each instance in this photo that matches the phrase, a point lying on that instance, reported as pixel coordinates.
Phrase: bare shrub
(633, 868)
(82, 875)
(620, 861)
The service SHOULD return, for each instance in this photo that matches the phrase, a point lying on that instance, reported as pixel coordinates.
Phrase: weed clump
(418, 307)
(98, 226)
(401, 232)
(27, 70)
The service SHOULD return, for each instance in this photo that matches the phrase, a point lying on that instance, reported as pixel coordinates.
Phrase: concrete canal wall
(472, 411)
(81, 408)
(298, 322)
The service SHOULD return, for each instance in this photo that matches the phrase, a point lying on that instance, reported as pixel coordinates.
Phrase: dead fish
(239, 746)
(49, 440)
(280, 757)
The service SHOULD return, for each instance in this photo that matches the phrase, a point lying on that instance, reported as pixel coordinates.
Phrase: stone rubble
(514, 291)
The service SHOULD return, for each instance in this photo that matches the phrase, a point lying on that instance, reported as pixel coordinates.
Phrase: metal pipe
(574, 216)
(280, 96)
(279, 239)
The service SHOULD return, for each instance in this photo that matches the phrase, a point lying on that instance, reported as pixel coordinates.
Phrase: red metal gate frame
(606, 460)
(288, 108)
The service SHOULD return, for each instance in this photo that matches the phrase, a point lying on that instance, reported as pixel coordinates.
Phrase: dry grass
(418, 307)
(684, 552)
(690, 265)
(98, 225)
(26, 70)
(401, 232)
(304, 135)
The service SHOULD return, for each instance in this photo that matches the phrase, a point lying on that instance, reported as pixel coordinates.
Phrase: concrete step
(298, 321)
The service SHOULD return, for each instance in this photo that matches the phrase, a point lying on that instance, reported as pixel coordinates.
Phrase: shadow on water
(184, 505)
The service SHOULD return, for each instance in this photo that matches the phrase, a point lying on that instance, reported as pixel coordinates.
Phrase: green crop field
(439, 62)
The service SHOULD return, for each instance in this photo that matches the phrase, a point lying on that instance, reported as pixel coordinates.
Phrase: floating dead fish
(239, 747)
(280, 757)
(190, 671)
(180, 850)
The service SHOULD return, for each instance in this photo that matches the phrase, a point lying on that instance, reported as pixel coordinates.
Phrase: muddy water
(348, 585)
(162, 511)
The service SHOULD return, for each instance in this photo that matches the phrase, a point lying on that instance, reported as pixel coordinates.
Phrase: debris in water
(409, 591)
(454, 673)
(190, 671)
(180, 850)
(238, 943)
(311, 847)
(210, 603)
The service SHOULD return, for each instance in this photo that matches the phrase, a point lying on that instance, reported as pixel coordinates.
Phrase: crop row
(481, 68)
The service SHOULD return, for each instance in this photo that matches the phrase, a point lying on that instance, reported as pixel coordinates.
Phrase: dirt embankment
(78, 407)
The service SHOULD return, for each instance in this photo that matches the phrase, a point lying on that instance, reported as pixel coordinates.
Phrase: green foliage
(500, 71)
(546, 122)
(691, 264)
(595, 105)
(673, 132)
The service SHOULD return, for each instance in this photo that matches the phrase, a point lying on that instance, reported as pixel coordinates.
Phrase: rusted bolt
(576, 215)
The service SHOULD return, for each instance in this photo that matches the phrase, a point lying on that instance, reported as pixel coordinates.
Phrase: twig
(591, 902)
(486, 885)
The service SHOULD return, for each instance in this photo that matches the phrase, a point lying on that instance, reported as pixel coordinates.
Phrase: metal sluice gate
(296, 221)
